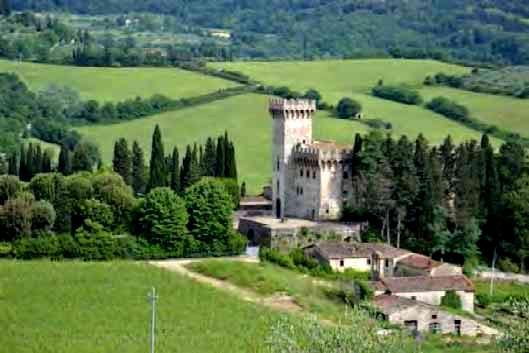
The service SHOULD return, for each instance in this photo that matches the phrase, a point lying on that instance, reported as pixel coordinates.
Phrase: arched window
(301, 172)
(307, 174)
(314, 175)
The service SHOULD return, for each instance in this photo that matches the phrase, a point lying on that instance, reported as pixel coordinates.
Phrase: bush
(232, 188)
(95, 211)
(9, 186)
(470, 266)
(451, 300)
(398, 94)
(274, 256)
(348, 108)
(483, 299)
(506, 265)
(352, 292)
(448, 108)
(35, 248)
(301, 261)
(42, 216)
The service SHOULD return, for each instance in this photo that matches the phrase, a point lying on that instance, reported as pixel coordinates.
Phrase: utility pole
(494, 259)
(152, 298)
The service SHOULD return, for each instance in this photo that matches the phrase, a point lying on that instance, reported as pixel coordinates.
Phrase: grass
(102, 307)
(268, 279)
(505, 112)
(116, 84)
(355, 78)
(503, 290)
(83, 307)
(245, 118)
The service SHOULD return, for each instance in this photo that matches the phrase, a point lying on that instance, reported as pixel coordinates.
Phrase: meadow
(116, 84)
(245, 118)
(102, 307)
(86, 307)
(248, 123)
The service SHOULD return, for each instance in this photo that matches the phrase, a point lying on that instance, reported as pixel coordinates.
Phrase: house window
(341, 263)
(369, 261)
(387, 263)
(435, 327)
(434, 317)
(413, 298)
(301, 172)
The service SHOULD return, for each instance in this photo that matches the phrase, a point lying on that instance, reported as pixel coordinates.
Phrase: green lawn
(116, 84)
(76, 307)
(505, 112)
(246, 119)
(503, 290)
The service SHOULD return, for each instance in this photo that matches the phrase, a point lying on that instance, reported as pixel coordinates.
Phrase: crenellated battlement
(292, 107)
(321, 153)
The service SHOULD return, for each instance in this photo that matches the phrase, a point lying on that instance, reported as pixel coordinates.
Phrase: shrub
(348, 108)
(232, 188)
(274, 256)
(506, 265)
(448, 108)
(42, 216)
(95, 211)
(301, 261)
(352, 292)
(470, 266)
(398, 94)
(163, 218)
(483, 299)
(9, 186)
(451, 300)
(5, 249)
(15, 218)
(46, 246)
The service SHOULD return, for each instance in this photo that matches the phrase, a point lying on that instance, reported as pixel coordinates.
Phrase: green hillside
(103, 307)
(505, 112)
(115, 84)
(247, 121)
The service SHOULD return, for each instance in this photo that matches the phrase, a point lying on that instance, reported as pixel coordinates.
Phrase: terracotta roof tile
(390, 304)
(427, 284)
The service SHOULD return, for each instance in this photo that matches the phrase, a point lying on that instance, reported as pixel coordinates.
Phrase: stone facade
(434, 298)
(308, 176)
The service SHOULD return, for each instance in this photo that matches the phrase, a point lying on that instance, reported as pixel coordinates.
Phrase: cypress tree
(186, 169)
(175, 171)
(46, 161)
(201, 159)
(122, 161)
(220, 160)
(158, 172)
(231, 169)
(210, 157)
(37, 160)
(65, 161)
(226, 141)
(138, 169)
(243, 189)
(30, 158)
(195, 173)
(12, 164)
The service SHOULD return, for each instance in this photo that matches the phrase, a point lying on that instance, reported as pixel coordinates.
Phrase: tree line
(458, 203)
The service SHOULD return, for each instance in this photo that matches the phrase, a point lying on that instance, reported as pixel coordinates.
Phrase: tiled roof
(336, 249)
(427, 284)
(420, 262)
(390, 304)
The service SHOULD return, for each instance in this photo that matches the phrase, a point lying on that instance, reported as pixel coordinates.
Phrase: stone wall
(434, 298)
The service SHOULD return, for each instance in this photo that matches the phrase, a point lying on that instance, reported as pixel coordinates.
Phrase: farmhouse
(430, 290)
(378, 258)
(420, 265)
(423, 317)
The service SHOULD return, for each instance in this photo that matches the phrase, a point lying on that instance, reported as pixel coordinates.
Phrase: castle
(310, 178)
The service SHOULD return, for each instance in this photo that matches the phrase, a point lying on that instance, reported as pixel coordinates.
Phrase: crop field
(503, 111)
(245, 118)
(116, 84)
(102, 307)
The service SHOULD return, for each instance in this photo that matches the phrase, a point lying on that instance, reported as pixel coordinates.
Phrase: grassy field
(247, 121)
(102, 307)
(355, 78)
(505, 112)
(83, 307)
(245, 118)
(503, 290)
(115, 84)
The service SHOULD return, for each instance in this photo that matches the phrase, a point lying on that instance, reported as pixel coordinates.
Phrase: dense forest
(472, 30)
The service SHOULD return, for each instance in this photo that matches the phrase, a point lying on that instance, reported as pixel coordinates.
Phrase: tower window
(345, 175)
(301, 172)
(314, 175)
(307, 174)
(277, 163)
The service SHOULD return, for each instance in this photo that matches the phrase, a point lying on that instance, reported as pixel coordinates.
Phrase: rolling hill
(116, 84)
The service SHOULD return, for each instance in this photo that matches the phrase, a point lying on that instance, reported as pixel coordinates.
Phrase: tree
(112, 190)
(518, 205)
(10, 185)
(465, 241)
(42, 217)
(15, 217)
(65, 161)
(348, 108)
(139, 176)
(95, 211)
(220, 163)
(12, 164)
(190, 169)
(210, 157)
(163, 219)
(5, 8)
(122, 161)
(243, 189)
(85, 157)
(314, 95)
(175, 171)
(158, 172)
(231, 164)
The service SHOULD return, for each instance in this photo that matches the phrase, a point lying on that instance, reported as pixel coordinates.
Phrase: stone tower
(292, 125)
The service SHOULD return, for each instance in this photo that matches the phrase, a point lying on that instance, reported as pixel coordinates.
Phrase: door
(278, 208)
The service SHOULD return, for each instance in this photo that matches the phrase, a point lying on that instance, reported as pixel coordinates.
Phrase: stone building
(309, 178)
(424, 317)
